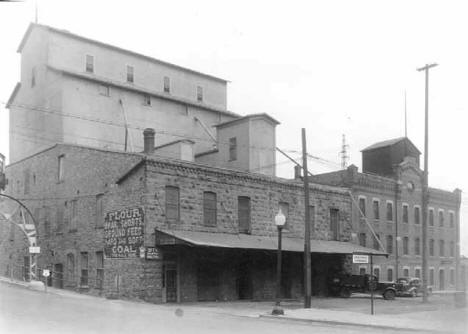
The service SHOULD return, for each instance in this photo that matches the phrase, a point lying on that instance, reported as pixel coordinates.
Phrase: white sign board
(358, 258)
(34, 249)
(46, 273)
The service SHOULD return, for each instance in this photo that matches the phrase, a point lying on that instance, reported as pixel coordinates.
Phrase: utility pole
(307, 264)
(425, 190)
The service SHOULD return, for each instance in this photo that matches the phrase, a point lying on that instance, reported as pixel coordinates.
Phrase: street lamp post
(280, 220)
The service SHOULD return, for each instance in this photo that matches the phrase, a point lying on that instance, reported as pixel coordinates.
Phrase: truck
(345, 285)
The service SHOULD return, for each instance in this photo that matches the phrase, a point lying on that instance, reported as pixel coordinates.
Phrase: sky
(332, 67)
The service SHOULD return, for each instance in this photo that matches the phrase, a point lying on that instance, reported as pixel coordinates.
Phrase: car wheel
(345, 293)
(389, 295)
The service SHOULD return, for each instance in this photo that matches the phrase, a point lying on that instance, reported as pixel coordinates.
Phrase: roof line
(134, 88)
(13, 95)
(109, 46)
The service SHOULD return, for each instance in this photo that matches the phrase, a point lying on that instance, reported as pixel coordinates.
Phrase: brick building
(388, 192)
(167, 230)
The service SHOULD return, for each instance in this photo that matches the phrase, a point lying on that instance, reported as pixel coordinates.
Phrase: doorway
(244, 281)
(57, 276)
(170, 282)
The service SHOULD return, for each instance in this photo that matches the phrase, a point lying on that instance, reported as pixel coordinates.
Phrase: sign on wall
(357, 258)
(123, 232)
(152, 253)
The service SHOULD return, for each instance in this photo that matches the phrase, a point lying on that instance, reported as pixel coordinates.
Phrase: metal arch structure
(20, 216)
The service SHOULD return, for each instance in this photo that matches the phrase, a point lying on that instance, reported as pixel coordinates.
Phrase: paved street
(26, 311)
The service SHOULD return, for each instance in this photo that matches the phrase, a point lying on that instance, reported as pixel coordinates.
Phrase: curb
(343, 323)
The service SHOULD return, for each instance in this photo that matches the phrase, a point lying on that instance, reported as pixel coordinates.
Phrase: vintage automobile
(345, 285)
(410, 287)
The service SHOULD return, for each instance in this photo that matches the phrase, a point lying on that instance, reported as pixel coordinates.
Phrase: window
(362, 270)
(84, 269)
(389, 244)
(59, 219)
(417, 246)
(46, 221)
(441, 247)
(130, 76)
(146, 100)
(104, 90)
(452, 249)
(89, 64)
(405, 272)
(362, 205)
(71, 267)
(99, 214)
(405, 213)
(417, 272)
(334, 224)
(27, 184)
(12, 232)
(405, 246)
(376, 209)
(172, 203)
(377, 273)
(61, 159)
(33, 76)
(284, 206)
(431, 276)
(362, 239)
(431, 247)
(452, 276)
(73, 214)
(99, 269)
(431, 217)
(390, 274)
(452, 219)
(199, 93)
(390, 211)
(441, 218)
(417, 215)
(376, 242)
(209, 208)
(232, 149)
(243, 207)
(167, 85)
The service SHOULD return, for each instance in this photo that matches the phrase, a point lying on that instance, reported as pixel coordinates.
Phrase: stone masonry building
(388, 193)
(160, 229)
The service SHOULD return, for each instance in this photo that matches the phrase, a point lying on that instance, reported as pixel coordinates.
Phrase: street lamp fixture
(280, 220)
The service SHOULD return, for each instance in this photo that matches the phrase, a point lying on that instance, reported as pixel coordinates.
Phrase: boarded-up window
(244, 214)
(362, 239)
(389, 211)
(334, 224)
(376, 209)
(99, 269)
(285, 210)
(84, 268)
(405, 213)
(405, 245)
(99, 215)
(209, 208)
(172, 203)
(417, 218)
(232, 149)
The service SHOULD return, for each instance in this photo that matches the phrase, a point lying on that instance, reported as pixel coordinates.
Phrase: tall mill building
(388, 195)
(80, 91)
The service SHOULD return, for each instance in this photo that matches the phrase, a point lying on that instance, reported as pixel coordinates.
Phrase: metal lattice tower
(344, 153)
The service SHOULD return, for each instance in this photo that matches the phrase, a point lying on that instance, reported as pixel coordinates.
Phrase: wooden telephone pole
(425, 190)
(307, 264)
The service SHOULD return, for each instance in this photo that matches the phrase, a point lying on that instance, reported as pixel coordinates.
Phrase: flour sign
(123, 232)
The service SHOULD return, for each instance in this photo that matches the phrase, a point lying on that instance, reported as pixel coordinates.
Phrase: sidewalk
(451, 321)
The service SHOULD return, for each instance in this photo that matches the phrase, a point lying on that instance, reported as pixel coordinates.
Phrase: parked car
(410, 287)
(345, 285)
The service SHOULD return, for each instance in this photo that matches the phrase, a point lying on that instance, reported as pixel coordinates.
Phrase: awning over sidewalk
(247, 241)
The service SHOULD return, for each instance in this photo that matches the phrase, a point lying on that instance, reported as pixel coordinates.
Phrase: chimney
(148, 138)
(297, 172)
